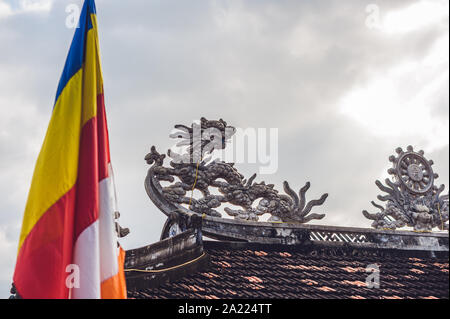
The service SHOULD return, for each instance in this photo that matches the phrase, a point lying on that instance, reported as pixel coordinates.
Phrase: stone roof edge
(300, 234)
(324, 227)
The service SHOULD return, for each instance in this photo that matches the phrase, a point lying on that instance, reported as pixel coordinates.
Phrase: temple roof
(261, 271)
(185, 266)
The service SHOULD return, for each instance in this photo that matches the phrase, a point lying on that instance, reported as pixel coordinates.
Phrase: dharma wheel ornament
(412, 198)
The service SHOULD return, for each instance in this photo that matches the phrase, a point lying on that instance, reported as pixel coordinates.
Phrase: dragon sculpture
(192, 170)
(411, 198)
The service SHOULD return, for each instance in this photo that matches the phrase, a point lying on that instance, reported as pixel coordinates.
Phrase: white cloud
(25, 6)
(418, 15)
(8, 251)
(5, 10)
(386, 111)
(234, 17)
(402, 100)
(36, 5)
(303, 39)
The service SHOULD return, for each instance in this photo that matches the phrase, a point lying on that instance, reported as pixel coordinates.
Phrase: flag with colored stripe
(68, 245)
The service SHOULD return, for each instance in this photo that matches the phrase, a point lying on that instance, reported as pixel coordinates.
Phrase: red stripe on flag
(92, 168)
(46, 252)
(86, 209)
(104, 157)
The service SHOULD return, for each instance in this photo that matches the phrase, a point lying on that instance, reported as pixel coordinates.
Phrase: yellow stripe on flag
(57, 165)
(93, 81)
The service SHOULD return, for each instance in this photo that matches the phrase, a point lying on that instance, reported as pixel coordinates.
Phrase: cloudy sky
(345, 83)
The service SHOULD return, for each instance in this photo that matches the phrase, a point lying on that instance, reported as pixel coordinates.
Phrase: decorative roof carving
(193, 169)
(412, 199)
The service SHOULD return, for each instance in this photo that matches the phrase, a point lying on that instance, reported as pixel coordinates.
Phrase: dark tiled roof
(268, 272)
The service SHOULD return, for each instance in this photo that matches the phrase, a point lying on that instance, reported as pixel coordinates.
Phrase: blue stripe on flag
(75, 58)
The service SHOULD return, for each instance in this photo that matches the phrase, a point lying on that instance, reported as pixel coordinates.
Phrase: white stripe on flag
(109, 266)
(86, 257)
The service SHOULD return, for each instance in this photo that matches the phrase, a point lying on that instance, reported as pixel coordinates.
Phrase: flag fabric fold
(69, 216)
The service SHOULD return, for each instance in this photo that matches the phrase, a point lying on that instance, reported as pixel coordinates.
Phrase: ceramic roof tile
(263, 273)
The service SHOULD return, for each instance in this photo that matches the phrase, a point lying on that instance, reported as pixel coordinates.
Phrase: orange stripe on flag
(115, 287)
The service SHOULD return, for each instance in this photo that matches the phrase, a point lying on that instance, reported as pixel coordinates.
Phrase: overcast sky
(345, 83)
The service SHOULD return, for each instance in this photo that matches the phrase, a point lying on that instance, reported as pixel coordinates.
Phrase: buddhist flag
(68, 246)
